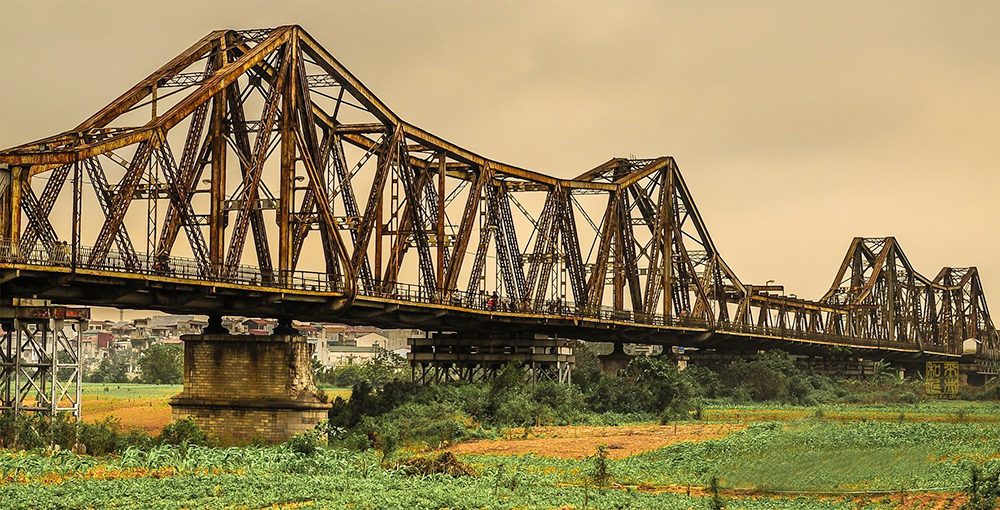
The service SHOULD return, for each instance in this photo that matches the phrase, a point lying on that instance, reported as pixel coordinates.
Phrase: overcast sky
(797, 125)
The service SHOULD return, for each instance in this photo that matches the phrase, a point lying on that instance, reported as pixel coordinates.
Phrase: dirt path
(579, 442)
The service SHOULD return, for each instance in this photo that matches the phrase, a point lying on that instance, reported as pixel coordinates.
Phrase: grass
(944, 410)
(170, 477)
(144, 407)
(381, 492)
(931, 445)
(808, 455)
(136, 406)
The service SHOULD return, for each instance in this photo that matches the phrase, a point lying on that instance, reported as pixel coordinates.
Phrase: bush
(587, 368)
(984, 490)
(21, 431)
(305, 443)
(422, 425)
(36, 431)
(706, 381)
(600, 472)
(445, 463)
(610, 394)
(101, 438)
(646, 385)
(988, 391)
(185, 431)
(564, 402)
(647, 389)
(765, 378)
(521, 410)
(385, 367)
(430, 416)
(668, 389)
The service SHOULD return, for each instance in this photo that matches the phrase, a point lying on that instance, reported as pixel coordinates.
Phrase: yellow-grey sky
(797, 125)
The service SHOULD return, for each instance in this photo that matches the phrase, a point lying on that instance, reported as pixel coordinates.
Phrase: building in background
(332, 344)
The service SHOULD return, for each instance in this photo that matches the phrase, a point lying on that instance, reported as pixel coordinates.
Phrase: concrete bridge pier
(242, 388)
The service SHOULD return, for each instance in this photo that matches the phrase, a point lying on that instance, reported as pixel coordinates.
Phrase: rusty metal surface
(411, 229)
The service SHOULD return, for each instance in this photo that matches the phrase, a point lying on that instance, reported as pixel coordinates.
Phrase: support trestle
(40, 357)
(445, 356)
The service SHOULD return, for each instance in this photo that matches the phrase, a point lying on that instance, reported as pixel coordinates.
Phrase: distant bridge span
(354, 215)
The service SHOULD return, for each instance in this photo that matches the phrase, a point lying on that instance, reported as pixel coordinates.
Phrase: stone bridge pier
(244, 388)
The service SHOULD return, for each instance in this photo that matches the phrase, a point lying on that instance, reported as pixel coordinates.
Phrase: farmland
(762, 456)
(755, 463)
(140, 406)
(144, 407)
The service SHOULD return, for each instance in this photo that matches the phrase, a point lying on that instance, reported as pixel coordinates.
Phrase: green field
(786, 456)
(331, 479)
(807, 455)
(812, 455)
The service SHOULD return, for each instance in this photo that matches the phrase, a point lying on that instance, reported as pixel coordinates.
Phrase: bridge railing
(792, 334)
(61, 255)
(189, 269)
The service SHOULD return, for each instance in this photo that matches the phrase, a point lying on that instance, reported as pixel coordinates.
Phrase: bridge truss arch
(299, 192)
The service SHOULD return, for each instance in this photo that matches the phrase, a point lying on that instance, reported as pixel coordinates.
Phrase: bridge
(301, 195)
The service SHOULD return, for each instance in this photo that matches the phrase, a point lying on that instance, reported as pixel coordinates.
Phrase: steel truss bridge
(298, 193)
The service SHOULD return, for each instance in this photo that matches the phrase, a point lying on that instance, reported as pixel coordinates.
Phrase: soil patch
(580, 442)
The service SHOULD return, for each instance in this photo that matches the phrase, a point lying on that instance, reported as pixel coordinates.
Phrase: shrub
(445, 463)
(103, 437)
(34, 431)
(305, 443)
(984, 490)
(765, 378)
(706, 381)
(427, 425)
(353, 440)
(564, 402)
(600, 472)
(717, 502)
(988, 391)
(21, 431)
(382, 369)
(610, 394)
(667, 388)
(587, 368)
(184, 431)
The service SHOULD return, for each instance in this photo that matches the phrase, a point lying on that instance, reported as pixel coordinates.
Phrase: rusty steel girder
(296, 144)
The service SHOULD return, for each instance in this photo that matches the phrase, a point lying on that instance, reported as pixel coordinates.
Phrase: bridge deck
(304, 295)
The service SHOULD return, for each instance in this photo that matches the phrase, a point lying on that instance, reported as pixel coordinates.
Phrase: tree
(385, 366)
(768, 377)
(162, 364)
(587, 369)
(110, 371)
